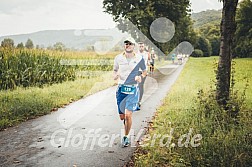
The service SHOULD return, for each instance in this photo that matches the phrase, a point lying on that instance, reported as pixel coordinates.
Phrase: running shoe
(125, 142)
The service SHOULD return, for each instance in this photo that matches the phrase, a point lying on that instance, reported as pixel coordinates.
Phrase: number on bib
(128, 89)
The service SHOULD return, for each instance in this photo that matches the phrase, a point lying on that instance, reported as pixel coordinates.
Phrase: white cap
(130, 39)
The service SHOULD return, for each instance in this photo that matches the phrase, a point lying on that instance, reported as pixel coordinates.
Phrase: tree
(49, 47)
(29, 44)
(211, 32)
(204, 45)
(89, 48)
(59, 46)
(20, 45)
(215, 44)
(7, 43)
(142, 13)
(243, 34)
(224, 65)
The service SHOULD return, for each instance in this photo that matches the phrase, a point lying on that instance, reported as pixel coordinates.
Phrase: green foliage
(7, 43)
(243, 34)
(211, 32)
(143, 13)
(204, 45)
(29, 44)
(59, 46)
(31, 68)
(207, 25)
(226, 123)
(197, 53)
(223, 118)
(215, 44)
(20, 45)
(21, 107)
(226, 137)
(212, 17)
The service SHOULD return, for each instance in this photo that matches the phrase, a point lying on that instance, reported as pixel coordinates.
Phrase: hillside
(83, 39)
(74, 39)
(205, 17)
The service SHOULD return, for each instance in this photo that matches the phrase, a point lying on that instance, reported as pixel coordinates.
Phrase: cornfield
(31, 68)
(26, 68)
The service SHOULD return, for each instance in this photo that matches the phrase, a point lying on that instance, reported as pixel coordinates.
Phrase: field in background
(81, 54)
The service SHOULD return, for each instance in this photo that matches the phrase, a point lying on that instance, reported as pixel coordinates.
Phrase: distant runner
(173, 58)
(180, 57)
(152, 61)
(145, 55)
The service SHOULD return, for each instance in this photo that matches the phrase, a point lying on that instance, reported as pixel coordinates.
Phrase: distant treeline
(207, 27)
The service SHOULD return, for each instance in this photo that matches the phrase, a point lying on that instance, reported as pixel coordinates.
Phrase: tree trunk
(228, 27)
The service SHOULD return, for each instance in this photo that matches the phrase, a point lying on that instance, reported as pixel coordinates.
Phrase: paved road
(86, 132)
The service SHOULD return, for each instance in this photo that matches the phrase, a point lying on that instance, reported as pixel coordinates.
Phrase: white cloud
(25, 16)
(22, 16)
(210, 2)
(201, 5)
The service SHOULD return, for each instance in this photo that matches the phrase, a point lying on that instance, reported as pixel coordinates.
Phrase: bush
(204, 45)
(197, 53)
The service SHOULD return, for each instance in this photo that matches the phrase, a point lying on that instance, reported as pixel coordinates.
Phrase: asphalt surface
(86, 132)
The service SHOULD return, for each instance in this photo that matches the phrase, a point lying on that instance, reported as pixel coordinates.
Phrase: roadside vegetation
(35, 82)
(198, 131)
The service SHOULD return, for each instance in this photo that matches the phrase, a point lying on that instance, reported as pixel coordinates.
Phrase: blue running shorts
(127, 101)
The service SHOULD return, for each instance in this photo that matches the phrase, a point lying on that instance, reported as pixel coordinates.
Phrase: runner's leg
(128, 121)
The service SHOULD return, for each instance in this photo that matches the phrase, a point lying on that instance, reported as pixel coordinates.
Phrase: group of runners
(180, 58)
(130, 69)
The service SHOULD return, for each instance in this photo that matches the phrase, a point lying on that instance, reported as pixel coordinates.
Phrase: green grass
(181, 111)
(22, 104)
(242, 74)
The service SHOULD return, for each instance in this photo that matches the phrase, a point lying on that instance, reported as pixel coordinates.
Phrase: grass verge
(23, 104)
(182, 135)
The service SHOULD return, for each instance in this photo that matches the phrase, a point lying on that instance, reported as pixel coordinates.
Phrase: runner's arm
(115, 69)
(115, 75)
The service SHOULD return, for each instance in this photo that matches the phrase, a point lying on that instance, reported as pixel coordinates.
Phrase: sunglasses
(128, 43)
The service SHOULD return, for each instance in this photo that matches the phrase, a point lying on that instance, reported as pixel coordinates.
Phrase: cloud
(47, 14)
(14, 6)
(25, 16)
(201, 5)
(209, 2)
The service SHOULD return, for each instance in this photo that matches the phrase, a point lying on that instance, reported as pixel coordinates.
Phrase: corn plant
(31, 68)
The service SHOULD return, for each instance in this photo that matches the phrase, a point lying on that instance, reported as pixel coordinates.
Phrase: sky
(201, 5)
(27, 16)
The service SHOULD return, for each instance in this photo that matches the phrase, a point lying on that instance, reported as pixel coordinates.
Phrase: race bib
(127, 89)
